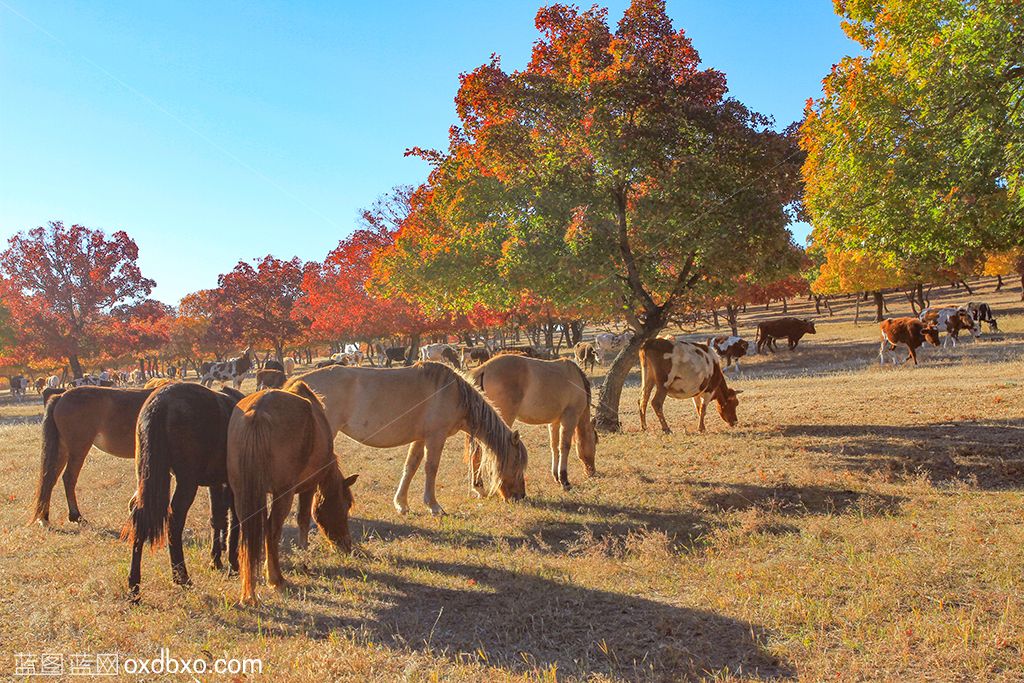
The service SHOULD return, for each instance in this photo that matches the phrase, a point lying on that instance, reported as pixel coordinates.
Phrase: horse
(279, 443)
(233, 370)
(551, 392)
(426, 403)
(73, 422)
(182, 430)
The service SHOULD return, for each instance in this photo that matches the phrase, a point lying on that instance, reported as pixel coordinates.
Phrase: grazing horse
(182, 430)
(73, 422)
(683, 370)
(233, 370)
(551, 392)
(279, 443)
(426, 403)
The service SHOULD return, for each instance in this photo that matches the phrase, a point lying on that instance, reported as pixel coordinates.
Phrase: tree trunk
(414, 348)
(967, 287)
(879, 305)
(999, 282)
(714, 317)
(76, 366)
(817, 306)
(278, 351)
(919, 291)
(785, 305)
(730, 317)
(856, 313)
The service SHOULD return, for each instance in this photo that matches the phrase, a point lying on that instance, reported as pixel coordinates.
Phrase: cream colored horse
(422, 406)
(551, 392)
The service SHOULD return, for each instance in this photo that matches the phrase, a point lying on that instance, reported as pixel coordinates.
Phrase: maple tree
(257, 303)
(63, 286)
(914, 150)
(612, 174)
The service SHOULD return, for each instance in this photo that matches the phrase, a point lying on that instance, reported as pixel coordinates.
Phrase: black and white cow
(982, 312)
(234, 370)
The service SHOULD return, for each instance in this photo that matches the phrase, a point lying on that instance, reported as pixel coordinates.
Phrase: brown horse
(421, 405)
(279, 443)
(73, 422)
(551, 392)
(182, 430)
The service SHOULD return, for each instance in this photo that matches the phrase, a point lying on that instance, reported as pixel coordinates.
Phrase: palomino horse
(425, 404)
(279, 443)
(182, 430)
(73, 422)
(684, 370)
(551, 392)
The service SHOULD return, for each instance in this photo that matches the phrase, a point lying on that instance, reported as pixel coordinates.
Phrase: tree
(63, 285)
(915, 150)
(611, 174)
(257, 304)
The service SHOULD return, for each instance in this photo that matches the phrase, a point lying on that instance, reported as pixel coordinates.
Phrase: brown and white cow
(951, 321)
(698, 375)
(793, 329)
(730, 349)
(911, 332)
(585, 355)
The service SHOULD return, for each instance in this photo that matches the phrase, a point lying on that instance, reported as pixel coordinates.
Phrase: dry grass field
(861, 523)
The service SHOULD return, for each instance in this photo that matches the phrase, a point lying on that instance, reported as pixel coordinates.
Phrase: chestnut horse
(551, 392)
(279, 443)
(421, 405)
(182, 430)
(73, 422)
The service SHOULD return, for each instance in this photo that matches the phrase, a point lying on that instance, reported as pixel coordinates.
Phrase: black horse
(182, 430)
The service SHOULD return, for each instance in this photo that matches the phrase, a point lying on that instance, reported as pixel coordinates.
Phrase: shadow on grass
(793, 501)
(524, 623)
(988, 453)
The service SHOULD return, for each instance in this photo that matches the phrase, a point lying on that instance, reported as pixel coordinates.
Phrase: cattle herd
(278, 442)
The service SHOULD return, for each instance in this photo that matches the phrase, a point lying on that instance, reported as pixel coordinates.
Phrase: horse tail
(251, 494)
(150, 507)
(51, 464)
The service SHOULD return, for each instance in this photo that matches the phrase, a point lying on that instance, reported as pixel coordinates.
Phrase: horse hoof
(436, 510)
(566, 486)
(402, 509)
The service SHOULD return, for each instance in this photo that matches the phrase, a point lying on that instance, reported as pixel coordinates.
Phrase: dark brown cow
(911, 332)
(270, 379)
(793, 329)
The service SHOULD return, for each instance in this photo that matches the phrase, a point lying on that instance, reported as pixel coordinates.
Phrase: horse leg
(563, 454)
(412, 463)
(434, 448)
(218, 522)
(279, 510)
(234, 529)
(135, 573)
(304, 516)
(553, 434)
(76, 458)
(184, 495)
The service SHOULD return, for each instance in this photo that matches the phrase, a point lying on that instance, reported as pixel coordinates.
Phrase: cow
(53, 382)
(729, 349)
(40, 384)
(951, 321)
(585, 355)
(698, 375)
(608, 345)
(289, 366)
(477, 354)
(234, 370)
(270, 378)
(440, 353)
(982, 312)
(911, 332)
(793, 329)
(18, 385)
(397, 353)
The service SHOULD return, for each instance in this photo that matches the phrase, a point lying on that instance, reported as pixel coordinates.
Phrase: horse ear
(351, 480)
(737, 391)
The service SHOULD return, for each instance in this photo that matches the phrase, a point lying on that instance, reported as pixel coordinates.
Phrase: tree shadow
(988, 453)
(524, 623)
(792, 500)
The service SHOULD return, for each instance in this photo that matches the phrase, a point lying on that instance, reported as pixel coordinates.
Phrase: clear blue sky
(219, 131)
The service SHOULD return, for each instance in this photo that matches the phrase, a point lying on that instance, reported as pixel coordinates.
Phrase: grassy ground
(861, 523)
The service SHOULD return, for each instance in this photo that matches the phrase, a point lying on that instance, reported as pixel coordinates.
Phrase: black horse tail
(150, 507)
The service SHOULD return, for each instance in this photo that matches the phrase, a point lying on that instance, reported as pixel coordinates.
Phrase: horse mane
(502, 459)
(584, 380)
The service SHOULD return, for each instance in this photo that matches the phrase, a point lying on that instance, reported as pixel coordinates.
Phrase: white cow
(440, 353)
(608, 345)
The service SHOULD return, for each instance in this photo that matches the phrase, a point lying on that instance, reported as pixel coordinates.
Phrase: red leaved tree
(63, 285)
